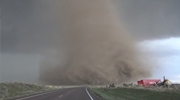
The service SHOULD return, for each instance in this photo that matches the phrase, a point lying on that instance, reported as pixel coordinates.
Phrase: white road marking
(60, 96)
(35, 95)
(88, 94)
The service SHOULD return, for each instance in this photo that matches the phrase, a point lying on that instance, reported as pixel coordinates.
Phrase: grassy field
(18, 89)
(135, 94)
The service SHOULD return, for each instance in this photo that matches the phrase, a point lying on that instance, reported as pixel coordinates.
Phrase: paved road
(80, 93)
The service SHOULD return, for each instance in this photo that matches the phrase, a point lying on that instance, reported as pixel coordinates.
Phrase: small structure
(148, 82)
(112, 85)
(166, 83)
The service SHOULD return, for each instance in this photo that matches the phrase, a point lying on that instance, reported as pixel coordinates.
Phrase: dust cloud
(96, 47)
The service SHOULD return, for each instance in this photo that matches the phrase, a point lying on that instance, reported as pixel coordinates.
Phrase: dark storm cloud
(27, 25)
(148, 19)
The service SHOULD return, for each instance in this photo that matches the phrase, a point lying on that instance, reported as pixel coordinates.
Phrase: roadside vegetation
(122, 93)
(14, 89)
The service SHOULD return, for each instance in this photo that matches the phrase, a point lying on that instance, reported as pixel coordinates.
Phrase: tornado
(92, 46)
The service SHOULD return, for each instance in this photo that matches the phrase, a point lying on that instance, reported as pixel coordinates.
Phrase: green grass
(134, 94)
(15, 89)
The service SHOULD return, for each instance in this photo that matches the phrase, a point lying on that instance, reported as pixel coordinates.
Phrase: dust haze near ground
(98, 49)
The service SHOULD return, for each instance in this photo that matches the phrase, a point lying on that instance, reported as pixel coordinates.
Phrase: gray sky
(28, 25)
(152, 18)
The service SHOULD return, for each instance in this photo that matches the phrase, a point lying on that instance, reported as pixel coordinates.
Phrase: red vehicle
(148, 82)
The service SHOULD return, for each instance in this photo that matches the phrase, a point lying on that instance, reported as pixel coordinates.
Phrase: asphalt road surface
(79, 93)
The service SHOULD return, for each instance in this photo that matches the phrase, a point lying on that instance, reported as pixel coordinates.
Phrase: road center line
(60, 96)
(88, 94)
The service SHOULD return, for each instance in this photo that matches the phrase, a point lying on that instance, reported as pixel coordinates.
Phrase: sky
(26, 24)
(167, 53)
(20, 67)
